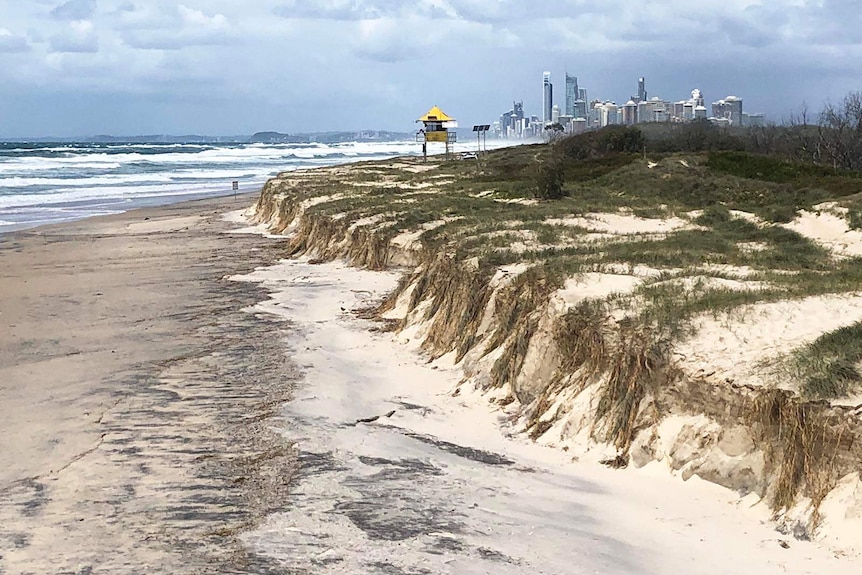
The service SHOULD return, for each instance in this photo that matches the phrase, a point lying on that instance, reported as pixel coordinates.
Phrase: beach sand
(134, 394)
(175, 399)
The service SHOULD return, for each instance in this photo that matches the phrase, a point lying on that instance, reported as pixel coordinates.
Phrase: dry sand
(133, 395)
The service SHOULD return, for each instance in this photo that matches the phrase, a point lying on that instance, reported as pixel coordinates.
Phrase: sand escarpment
(631, 323)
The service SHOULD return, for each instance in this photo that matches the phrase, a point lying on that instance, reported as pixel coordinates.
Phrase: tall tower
(642, 93)
(547, 97)
(572, 93)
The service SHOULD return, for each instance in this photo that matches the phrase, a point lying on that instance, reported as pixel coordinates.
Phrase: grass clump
(828, 367)
(549, 179)
(634, 374)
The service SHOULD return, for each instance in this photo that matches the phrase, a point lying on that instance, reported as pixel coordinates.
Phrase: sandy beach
(132, 391)
(177, 399)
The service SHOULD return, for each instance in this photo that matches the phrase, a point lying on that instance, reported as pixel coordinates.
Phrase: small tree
(554, 132)
(841, 132)
(550, 176)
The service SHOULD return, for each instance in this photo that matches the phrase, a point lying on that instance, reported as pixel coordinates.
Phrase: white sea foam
(67, 195)
(37, 182)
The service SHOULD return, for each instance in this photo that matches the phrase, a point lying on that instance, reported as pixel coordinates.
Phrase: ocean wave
(84, 195)
(41, 184)
(272, 156)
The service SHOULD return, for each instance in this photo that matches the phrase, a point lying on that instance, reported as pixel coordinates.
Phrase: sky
(229, 67)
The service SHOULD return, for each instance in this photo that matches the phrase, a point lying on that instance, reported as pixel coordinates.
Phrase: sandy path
(134, 395)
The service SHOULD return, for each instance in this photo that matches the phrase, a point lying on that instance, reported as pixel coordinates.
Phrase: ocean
(43, 183)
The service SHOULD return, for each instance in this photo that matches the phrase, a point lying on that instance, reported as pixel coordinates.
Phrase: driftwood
(374, 418)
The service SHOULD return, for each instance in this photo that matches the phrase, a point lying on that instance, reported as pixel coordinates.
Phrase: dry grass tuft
(509, 365)
(801, 445)
(637, 369)
(582, 339)
(368, 249)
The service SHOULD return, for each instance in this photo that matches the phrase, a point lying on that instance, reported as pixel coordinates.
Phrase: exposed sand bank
(599, 383)
(443, 484)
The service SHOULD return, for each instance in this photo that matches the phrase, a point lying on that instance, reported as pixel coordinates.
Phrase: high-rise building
(607, 114)
(511, 124)
(579, 125)
(518, 108)
(571, 94)
(655, 110)
(752, 120)
(580, 109)
(642, 93)
(547, 97)
(728, 109)
(630, 113)
(688, 111)
(735, 105)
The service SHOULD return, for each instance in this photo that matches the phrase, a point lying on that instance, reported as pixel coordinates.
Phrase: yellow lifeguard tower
(437, 124)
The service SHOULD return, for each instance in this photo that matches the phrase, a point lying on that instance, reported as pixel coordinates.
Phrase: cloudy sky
(83, 67)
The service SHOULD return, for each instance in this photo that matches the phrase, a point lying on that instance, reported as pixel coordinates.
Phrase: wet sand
(136, 397)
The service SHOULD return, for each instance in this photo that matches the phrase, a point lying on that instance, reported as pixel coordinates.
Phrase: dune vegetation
(636, 294)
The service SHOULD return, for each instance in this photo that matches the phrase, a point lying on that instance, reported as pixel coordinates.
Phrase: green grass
(610, 177)
(829, 366)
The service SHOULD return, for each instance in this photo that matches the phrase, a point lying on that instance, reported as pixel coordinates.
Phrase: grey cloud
(75, 10)
(357, 9)
(173, 40)
(73, 44)
(834, 22)
(175, 29)
(513, 11)
(124, 7)
(484, 11)
(13, 43)
(389, 53)
(328, 10)
(743, 33)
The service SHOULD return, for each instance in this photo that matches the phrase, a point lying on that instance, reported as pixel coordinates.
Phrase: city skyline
(580, 113)
(83, 67)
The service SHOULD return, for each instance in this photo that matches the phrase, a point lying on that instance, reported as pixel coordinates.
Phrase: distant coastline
(264, 137)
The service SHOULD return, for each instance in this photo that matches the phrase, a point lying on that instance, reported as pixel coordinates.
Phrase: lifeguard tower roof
(435, 114)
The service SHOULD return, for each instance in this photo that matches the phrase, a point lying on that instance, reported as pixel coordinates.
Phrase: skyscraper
(547, 97)
(572, 93)
(642, 93)
(730, 109)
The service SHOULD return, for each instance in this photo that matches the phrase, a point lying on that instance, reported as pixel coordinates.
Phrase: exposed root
(525, 296)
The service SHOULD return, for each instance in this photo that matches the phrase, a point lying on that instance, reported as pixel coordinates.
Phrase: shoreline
(149, 202)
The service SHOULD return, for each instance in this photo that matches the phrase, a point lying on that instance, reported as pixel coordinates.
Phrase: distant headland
(267, 137)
